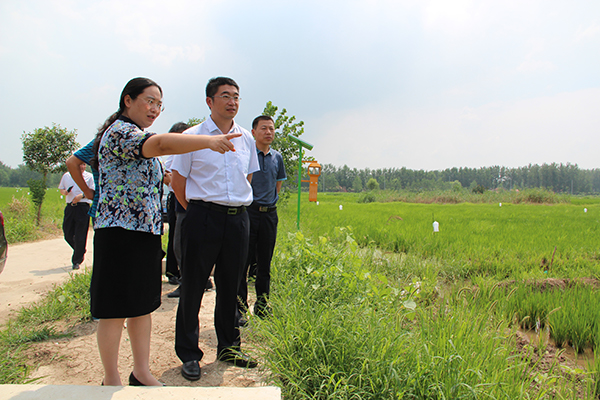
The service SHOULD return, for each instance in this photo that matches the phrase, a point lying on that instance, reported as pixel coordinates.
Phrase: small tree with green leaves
(372, 184)
(37, 187)
(196, 121)
(286, 125)
(45, 150)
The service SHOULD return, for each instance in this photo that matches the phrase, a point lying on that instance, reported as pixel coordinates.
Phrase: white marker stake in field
(341, 207)
(436, 226)
(585, 210)
(500, 204)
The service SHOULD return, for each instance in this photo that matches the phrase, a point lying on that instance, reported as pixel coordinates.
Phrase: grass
(569, 310)
(352, 321)
(343, 330)
(531, 196)
(19, 215)
(42, 321)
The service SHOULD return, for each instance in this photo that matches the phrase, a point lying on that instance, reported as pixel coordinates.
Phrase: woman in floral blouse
(126, 278)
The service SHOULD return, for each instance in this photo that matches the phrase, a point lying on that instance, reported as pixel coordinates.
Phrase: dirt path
(33, 268)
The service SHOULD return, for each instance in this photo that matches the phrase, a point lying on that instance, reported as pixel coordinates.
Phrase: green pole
(299, 176)
(308, 146)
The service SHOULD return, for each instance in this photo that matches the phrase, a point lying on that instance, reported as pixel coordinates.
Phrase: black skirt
(126, 276)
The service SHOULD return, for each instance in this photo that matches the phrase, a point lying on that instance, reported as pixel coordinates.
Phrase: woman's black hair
(134, 88)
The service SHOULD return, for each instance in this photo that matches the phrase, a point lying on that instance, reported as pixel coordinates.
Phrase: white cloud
(590, 32)
(531, 65)
(445, 15)
(534, 59)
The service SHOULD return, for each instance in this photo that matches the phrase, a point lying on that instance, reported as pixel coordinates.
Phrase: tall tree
(45, 150)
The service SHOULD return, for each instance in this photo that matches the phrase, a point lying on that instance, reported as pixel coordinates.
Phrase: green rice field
(369, 303)
(502, 240)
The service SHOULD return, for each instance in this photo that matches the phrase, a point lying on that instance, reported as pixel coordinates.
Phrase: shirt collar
(128, 120)
(258, 151)
(212, 127)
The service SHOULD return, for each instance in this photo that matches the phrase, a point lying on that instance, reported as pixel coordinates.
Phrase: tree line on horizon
(560, 178)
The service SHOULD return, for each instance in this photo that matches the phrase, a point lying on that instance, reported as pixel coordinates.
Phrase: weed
(38, 322)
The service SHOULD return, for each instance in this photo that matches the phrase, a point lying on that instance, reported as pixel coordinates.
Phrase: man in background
(174, 210)
(76, 219)
(266, 184)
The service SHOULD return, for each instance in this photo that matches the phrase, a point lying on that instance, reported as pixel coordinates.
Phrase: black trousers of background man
(76, 223)
(172, 266)
(263, 234)
(208, 238)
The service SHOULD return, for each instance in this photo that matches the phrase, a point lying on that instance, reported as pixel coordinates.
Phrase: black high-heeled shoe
(133, 381)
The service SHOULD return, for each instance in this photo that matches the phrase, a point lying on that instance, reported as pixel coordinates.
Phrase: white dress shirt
(219, 178)
(167, 161)
(67, 182)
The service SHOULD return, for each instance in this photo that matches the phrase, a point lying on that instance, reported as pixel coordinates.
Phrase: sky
(379, 84)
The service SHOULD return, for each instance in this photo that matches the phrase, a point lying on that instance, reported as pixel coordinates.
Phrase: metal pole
(299, 177)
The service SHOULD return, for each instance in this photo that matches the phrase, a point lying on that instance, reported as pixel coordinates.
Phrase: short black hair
(261, 118)
(214, 83)
(179, 127)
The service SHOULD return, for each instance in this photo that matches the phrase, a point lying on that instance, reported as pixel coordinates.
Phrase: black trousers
(208, 238)
(263, 234)
(172, 267)
(76, 222)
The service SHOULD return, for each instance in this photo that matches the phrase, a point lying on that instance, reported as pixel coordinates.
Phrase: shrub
(367, 197)
(537, 196)
(478, 189)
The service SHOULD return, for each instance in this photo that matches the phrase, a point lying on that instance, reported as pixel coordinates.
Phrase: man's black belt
(217, 207)
(260, 208)
(78, 203)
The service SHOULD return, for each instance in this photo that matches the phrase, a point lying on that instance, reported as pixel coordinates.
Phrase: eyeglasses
(227, 97)
(155, 103)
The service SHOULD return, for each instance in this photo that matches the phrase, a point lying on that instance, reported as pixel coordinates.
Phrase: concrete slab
(68, 392)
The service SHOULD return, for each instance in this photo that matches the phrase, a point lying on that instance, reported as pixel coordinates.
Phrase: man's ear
(209, 102)
(127, 101)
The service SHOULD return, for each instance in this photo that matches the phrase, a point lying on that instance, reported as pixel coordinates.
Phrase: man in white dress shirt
(76, 220)
(215, 190)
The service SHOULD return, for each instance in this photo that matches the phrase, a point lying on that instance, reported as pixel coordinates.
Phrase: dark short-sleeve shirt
(264, 181)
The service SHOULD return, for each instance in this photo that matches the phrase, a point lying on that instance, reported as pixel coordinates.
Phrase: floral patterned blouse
(130, 185)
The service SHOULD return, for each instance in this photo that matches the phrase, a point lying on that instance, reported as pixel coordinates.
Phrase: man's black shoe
(262, 310)
(173, 280)
(174, 293)
(191, 370)
(238, 359)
